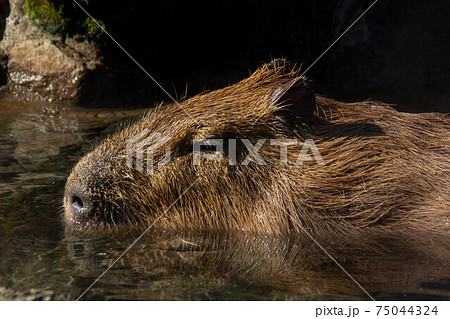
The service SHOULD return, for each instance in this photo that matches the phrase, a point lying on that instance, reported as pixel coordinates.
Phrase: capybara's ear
(296, 97)
(279, 63)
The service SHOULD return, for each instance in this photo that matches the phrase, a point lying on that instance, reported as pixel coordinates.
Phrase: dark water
(39, 143)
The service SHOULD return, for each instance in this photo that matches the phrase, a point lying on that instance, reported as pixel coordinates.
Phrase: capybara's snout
(87, 199)
(103, 193)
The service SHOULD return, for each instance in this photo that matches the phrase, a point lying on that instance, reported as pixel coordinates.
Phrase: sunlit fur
(382, 168)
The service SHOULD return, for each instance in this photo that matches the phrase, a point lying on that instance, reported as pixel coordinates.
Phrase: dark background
(397, 53)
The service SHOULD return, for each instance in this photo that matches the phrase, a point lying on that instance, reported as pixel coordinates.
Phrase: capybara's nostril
(78, 203)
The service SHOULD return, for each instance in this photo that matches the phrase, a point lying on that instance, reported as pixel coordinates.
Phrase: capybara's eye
(213, 145)
(208, 145)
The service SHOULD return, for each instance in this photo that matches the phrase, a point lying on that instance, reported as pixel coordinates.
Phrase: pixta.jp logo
(145, 144)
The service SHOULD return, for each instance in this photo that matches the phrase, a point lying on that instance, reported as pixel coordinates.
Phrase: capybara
(267, 156)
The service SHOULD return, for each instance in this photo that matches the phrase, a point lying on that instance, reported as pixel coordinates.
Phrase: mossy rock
(65, 18)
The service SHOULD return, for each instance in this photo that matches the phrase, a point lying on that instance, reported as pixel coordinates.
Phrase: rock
(40, 66)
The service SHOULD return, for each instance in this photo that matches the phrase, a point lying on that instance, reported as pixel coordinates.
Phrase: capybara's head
(264, 155)
(209, 170)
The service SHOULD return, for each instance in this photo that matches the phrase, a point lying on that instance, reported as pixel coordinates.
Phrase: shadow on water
(39, 143)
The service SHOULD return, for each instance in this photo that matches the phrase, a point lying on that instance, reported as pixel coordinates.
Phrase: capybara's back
(267, 156)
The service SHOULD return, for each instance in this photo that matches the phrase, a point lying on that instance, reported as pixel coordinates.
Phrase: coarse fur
(383, 168)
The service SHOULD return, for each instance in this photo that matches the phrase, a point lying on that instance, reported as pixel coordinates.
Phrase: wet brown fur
(383, 168)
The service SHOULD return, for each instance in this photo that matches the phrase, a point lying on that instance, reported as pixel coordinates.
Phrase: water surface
(40, 143)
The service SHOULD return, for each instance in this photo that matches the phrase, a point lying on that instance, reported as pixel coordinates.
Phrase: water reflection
(387, 265)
